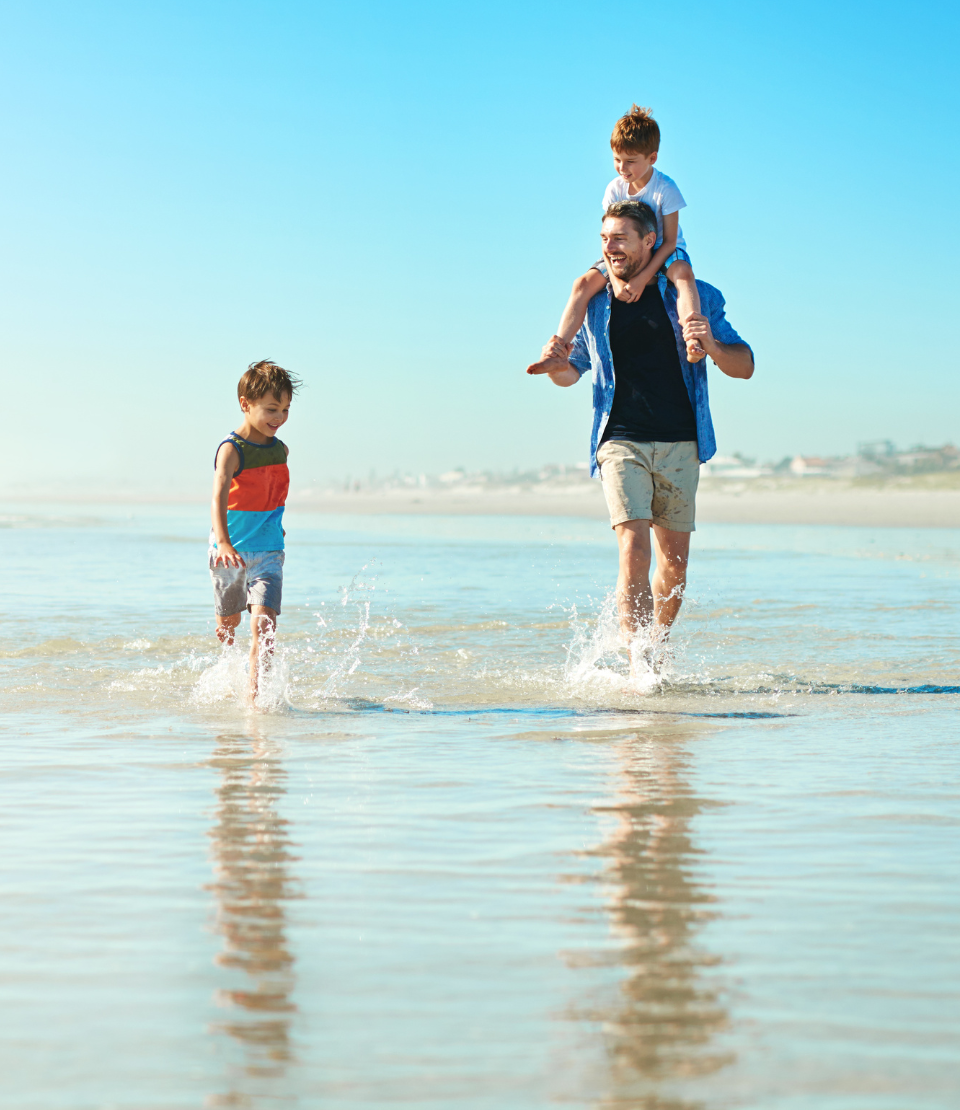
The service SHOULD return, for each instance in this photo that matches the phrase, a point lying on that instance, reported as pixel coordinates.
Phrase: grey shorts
(651, 481)
(260, 582)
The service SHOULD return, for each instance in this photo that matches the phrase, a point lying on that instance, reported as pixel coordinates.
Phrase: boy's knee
(680, 271)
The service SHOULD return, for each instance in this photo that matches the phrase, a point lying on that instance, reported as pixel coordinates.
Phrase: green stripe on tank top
(260, 454)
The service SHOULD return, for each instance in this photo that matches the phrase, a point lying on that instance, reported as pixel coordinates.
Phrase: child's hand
(629, 294)
(229, 554)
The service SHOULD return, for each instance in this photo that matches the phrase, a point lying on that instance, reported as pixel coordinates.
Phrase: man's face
(624, 250)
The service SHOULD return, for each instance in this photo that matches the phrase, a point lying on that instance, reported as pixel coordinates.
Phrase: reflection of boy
(636, 143)
(249, 493)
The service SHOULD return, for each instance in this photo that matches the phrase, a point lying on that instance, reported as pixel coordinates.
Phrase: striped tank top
(257, 495)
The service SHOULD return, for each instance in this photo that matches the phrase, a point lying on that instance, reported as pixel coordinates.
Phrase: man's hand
(699, 338)
(229, 554)
(734, 359)
(553, 357)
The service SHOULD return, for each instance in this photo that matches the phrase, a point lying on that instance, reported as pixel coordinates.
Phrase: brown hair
(637, 210)
(266, 377)
(636, 132)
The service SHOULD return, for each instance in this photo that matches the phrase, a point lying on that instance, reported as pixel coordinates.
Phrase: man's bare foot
(545, 365)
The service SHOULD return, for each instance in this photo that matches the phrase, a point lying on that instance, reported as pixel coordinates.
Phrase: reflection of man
(661, 1028)
(651, 418)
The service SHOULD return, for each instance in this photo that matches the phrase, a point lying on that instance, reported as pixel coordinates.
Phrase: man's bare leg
(640, 606)
(226, 627)
(634, 597)
(670, 579)
(263, 635)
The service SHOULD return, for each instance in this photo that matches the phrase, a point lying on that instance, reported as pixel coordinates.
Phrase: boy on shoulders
(635, 143)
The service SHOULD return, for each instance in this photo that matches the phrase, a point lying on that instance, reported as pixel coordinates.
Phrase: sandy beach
(908, 506)
(926, 501)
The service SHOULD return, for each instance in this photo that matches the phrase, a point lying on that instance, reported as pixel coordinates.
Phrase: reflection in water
(251, 859)
(660, 1027)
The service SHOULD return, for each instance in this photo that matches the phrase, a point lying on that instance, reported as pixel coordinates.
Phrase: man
(651, 420)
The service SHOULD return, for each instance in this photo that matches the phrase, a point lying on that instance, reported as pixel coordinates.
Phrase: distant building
(807, 465)
(876, 449)
(731, 466)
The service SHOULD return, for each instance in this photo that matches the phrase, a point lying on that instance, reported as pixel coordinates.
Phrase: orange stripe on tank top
(259, 490)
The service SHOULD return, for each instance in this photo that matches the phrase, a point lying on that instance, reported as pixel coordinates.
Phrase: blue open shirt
(591, 351)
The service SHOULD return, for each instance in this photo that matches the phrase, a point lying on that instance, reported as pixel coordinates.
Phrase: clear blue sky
(393, 199)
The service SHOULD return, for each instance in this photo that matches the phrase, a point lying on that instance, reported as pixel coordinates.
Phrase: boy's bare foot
(553, 356)
(545, 365)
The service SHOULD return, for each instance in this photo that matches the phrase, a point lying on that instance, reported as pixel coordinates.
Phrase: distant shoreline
(802, 502)
(857, 507)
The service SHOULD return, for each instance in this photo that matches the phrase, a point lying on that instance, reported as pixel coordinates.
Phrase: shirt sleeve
(671, 199)
(610, 194)
(579, 357)
(722, 329)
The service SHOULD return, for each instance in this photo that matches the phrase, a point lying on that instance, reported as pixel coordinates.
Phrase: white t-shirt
(660, 192)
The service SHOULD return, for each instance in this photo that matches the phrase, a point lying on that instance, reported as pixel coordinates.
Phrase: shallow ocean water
(455, 859)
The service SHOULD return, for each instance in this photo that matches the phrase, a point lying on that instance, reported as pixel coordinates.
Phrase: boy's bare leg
(263, 636)
(584, 288)
(688, 302)
(226, 627)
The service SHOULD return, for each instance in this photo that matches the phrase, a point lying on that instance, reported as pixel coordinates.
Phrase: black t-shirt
(650, 401)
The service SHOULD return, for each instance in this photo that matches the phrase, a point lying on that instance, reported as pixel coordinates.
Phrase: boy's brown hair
(636, 133)
(266, 377)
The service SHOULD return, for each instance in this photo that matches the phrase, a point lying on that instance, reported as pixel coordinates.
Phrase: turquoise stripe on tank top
(255, 531)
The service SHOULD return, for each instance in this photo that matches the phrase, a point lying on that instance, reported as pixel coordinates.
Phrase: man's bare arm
(734, 359)
(556, 355)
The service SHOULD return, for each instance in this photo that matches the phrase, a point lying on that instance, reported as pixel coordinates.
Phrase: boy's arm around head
(636, 285)
(226, 466)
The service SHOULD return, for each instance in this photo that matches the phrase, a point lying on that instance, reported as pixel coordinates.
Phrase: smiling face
(634, 168)
(625, 250)
(264, 417)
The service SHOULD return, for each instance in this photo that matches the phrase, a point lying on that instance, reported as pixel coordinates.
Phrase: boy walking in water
(250, 484)
(635, 143)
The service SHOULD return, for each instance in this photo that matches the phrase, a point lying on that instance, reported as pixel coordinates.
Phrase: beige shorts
(650, 481)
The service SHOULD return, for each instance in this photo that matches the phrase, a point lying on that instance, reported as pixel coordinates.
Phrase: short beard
(630, 270)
